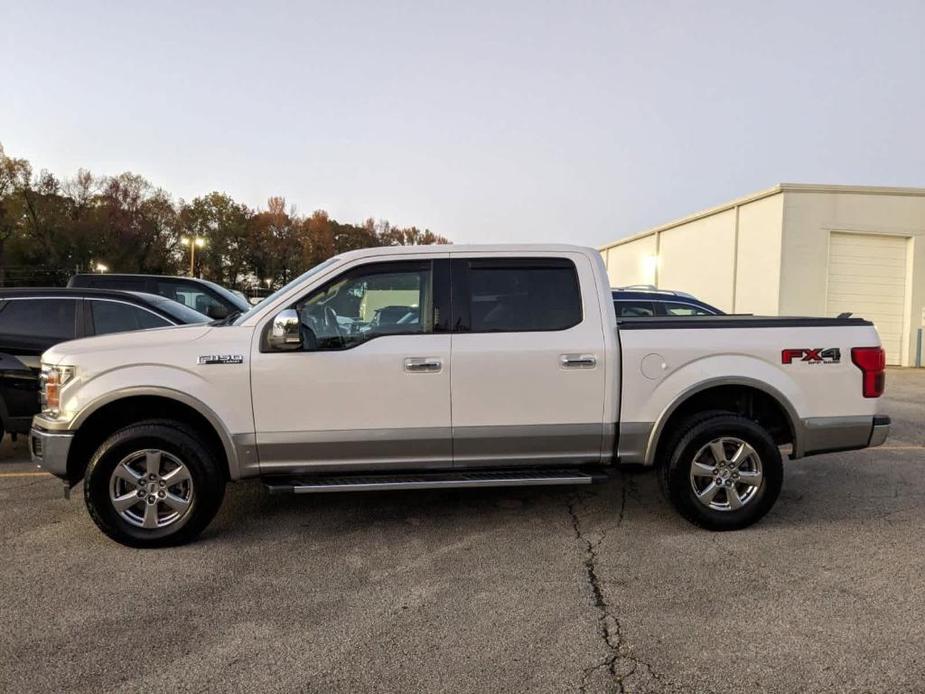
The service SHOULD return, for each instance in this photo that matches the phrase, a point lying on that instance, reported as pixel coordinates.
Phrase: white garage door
(867, 276)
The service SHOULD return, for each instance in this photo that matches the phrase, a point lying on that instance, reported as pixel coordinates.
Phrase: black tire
(678, 457)
(206, 475)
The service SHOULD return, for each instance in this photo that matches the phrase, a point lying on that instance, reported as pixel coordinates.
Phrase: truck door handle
(423, 364)
(577, 361)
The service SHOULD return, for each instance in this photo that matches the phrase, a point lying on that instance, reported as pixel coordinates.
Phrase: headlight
(51, 380)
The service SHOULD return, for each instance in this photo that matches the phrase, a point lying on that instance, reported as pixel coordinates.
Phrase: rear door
(527, 377)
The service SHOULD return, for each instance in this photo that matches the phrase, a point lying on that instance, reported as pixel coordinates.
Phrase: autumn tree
(50, 227)
(225, 226)
(15, 175)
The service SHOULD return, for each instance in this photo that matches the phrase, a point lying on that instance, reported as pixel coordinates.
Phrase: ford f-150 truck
(398, 368)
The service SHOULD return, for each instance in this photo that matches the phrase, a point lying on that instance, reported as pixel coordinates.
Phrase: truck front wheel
(153, 484)
(721, 471)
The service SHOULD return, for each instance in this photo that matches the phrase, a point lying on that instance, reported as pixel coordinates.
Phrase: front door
(528, 375)
(370, 388)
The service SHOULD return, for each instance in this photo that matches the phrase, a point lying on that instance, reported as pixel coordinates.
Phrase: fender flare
(796, 424)
(228, 442)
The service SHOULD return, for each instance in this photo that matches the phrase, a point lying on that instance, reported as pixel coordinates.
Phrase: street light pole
(192, 243)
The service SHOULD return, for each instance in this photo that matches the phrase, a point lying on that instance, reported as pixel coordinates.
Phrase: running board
(431, 480)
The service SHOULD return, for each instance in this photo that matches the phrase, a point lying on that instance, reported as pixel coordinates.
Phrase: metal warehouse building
(796, 249)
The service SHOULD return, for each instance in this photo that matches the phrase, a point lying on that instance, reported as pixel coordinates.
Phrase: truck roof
(453, 249)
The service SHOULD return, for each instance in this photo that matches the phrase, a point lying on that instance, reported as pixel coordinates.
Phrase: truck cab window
(368, 302)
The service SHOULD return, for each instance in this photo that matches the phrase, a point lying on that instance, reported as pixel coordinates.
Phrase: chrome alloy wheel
(726, 474)
(151, 489)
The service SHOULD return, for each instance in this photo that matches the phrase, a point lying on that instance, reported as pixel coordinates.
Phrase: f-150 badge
(831, 355)
(221, 359)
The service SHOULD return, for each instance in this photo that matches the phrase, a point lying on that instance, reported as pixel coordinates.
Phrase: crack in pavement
(619, 664)
(608, 626)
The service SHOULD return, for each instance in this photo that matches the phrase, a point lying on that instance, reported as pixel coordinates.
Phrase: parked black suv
(34, 320)
(646, 300)
(200, 295)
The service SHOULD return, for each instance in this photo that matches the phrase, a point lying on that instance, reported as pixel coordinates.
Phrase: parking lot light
(193, 243)
(102, 268)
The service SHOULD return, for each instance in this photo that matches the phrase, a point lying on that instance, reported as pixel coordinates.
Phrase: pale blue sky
(485, 121)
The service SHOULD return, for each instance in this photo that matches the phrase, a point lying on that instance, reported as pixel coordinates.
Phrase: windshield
(282, 290)
(174, 309)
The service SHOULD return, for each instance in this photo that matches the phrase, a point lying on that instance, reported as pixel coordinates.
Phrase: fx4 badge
(221, 359)
(829, 355)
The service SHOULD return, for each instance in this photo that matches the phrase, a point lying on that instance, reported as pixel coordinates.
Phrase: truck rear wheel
(721, 471)
(153, 484)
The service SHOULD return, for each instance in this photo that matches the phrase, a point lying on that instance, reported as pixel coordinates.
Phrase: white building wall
(699, 257)
(767, 253)
(632, 263)
(705, 255)
(811, 214)
(758, 277)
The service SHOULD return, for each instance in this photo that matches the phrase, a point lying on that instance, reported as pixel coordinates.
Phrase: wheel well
(120, 413)
(762, 408)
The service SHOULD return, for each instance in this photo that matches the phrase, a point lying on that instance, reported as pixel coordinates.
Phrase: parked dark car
(645, 300)
(200, 295)
(33, 320)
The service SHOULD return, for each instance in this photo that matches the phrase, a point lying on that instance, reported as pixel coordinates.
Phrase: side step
(430, 480)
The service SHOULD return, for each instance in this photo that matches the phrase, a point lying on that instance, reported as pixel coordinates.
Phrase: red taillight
(872, 363)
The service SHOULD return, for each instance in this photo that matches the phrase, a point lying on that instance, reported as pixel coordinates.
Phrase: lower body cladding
(435, 448)
(814, 435)
(431, 458)
(831, 434)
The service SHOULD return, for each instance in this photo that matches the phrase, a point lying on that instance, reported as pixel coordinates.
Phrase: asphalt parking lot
(472, 591)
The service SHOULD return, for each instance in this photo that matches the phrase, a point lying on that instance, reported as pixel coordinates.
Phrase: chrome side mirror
(285, 334)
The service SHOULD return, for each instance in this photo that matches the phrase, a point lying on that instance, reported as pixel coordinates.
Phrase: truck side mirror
(285, 333)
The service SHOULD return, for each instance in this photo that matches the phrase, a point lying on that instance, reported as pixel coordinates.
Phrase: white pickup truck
(449, 366)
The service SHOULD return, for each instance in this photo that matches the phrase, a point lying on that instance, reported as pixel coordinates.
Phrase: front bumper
(831, 434)
(49, 450)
